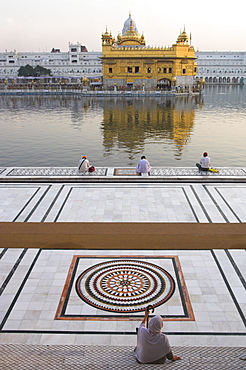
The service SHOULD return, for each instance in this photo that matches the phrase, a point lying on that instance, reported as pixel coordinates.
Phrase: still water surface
(57, 131)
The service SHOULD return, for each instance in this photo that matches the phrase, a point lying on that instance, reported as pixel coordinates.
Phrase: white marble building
(75, 62)
(222, 67)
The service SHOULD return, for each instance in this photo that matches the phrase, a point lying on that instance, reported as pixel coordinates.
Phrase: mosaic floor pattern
(124, 286)
(115, 288)
(182, 171)
(46, 171)
(38, 295)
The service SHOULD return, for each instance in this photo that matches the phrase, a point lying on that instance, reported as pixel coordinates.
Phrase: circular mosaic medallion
(125, 285)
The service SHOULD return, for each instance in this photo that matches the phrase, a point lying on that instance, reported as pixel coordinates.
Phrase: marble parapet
(122, 174)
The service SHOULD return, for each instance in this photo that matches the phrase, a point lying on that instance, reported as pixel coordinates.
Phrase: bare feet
(176, 358)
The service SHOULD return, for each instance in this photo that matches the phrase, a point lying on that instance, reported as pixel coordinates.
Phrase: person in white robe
(152, 345)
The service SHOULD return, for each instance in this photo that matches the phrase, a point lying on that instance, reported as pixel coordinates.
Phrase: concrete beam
(103, 235)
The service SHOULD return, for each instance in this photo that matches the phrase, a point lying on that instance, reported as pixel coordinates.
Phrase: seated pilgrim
(152, 345)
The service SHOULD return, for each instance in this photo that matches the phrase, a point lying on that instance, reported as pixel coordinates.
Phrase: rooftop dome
(183, 38)
(129, 24)
(130, 36)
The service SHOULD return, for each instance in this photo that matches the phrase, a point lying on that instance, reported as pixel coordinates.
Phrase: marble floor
(42, 295)
(176, 202)
(98, 296)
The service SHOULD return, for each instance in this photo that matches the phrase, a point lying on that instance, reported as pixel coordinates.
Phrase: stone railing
(120, 172)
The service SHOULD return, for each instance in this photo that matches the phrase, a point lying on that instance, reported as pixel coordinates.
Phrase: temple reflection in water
(131, 123)
(111, 131)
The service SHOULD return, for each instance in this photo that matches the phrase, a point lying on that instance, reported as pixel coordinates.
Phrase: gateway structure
(128, 62)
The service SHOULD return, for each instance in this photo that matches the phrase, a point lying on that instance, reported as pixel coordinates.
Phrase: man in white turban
(152, 345)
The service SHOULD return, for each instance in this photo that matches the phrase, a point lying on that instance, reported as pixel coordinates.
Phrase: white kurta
(143, 166)
(205, 162)
(83, 165)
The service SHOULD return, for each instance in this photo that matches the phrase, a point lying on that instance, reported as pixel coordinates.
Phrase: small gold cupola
(107, 38)
(183, 38)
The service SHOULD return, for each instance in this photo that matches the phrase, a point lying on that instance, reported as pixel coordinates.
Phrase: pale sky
(29, 25)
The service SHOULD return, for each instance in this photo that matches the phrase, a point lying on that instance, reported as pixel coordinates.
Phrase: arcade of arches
(223, 80)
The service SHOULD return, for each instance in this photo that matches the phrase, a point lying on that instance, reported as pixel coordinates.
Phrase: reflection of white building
(75, 62)
(222, 66)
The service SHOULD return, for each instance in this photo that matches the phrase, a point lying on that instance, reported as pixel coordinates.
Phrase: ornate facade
(128, 62)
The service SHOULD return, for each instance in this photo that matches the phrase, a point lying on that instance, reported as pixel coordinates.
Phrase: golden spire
(183, 38)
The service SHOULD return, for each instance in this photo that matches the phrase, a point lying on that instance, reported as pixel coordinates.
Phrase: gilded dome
(130, 36)
(183, 38)
(129, 25)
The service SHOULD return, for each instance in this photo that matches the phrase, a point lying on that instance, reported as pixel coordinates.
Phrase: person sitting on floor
(204, 163)
(84, 164)
(152, 345)
(143, 166)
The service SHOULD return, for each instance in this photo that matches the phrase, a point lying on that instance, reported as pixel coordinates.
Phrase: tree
(26, 71)
(29, 71)
(41, 71)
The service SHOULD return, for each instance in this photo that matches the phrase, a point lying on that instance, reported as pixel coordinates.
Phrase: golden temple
(129, 63)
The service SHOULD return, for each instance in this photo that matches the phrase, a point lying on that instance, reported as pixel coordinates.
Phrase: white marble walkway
(207, 307)
(73, 202)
